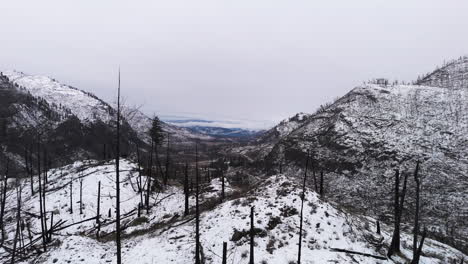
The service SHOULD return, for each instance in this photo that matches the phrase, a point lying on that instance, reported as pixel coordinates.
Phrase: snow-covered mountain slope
(264, 143)
(360, 139)
(85, 106)
(164, 236)
(453, 75)
(88, 107)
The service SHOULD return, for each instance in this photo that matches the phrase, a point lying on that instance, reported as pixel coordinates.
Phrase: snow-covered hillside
(88, 107)
(453, 75)
(164, 236)
(360, 139)
(85, 106)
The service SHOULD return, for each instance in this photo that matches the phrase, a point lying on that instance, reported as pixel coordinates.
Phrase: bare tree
(166, 174)
(117, 181)
(398, 208)
(302, 209)
(41, 209)
(197, 209)
(3, 202)
(252, 234)
(417, 256)
(224, 253)
(98, 210)
(186, 191)
(223, 196)
(18, 222)
(416, 216)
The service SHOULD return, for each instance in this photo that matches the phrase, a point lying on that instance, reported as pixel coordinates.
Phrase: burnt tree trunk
(416, 215)
(186, 191)
(223, 185)
(117, 181)
(41, 209)
(252, 234)
(398, 209)
(417, 256)
(224, 253)
(197, 212)
(2, 206)
(71, 196)
(302, 210)
(81, 196)
(321, 183)
(166, 173)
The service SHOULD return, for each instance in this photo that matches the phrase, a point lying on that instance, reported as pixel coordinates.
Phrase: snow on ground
(81, 104)
(165, 236)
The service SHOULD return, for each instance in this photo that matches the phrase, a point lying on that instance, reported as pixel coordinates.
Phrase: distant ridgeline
(26, 120)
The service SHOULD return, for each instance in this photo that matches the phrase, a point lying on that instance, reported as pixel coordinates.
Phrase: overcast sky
(253, 59)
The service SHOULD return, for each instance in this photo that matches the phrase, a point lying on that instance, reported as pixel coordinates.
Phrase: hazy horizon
(253, 61)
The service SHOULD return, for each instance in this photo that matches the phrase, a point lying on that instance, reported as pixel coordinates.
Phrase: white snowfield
(166, 236)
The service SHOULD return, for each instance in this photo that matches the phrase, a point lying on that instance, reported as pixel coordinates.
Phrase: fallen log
(357, 253)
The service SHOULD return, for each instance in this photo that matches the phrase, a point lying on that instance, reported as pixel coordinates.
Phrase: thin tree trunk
(41, 209)
(321, 183)
(395, 244)
(315, 178)
(98, 212)
(166, 174)
(18, 227)
(224, 253)
(81, 196)
(302, 209)
(252, 234)
(197, 212)
(2, 209)
(416, 213)
(139, 173)
(222, 185)
(186, 191)
(150, 174)
(419, 249)
(117, 181)
(71, 196)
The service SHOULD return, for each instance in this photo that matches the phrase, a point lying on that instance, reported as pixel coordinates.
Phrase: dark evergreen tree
(157, 136)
